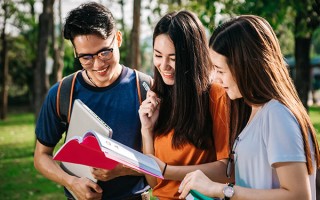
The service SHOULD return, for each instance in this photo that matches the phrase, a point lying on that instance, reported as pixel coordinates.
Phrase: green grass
(18, 177)
(314, 113)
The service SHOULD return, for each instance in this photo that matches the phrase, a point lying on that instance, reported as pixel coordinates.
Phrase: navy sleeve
(49, 128)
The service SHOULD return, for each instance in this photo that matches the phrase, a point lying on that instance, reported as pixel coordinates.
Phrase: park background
(34, 55)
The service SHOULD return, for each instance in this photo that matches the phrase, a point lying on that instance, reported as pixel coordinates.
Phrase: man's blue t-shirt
(117, 105)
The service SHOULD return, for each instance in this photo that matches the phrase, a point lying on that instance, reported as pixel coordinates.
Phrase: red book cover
(95, 150)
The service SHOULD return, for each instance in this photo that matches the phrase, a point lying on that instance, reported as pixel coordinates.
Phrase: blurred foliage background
(34, 55)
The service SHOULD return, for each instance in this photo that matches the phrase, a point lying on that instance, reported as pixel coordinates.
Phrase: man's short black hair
(89, 18)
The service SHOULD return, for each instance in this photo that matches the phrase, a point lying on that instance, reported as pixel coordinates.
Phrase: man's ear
(119, 38)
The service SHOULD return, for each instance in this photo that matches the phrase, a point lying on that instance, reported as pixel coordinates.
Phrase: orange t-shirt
(189, 154)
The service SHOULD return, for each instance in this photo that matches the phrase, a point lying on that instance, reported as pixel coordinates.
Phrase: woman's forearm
(147, 141)
(216, 171)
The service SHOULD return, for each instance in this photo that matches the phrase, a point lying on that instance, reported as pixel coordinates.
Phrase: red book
(96, 150)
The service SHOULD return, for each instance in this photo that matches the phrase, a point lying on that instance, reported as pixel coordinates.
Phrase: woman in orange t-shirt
(185, 118)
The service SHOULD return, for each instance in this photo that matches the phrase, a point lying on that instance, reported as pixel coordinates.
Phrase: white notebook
(82, 120)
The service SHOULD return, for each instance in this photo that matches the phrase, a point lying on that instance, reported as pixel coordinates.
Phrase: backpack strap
(142, 79)
(64, 97)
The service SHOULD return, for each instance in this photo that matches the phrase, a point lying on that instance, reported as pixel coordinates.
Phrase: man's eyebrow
(102, 49)
(173, 54)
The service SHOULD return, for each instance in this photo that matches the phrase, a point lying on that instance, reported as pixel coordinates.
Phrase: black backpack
(65, 93)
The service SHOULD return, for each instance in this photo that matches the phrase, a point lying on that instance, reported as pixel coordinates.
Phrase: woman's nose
(165, 64)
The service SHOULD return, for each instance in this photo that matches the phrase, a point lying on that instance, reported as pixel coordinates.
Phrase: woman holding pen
(185, 118)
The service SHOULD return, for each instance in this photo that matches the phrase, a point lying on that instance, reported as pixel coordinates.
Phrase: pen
(146, 86)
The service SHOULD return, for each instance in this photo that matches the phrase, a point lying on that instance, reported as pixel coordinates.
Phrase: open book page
(126, 155)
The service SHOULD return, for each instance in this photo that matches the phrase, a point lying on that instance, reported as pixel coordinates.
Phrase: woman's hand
(149, 111)
(197, 180)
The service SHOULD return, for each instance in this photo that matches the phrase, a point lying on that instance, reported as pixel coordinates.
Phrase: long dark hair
(257, 65)
(185, 105)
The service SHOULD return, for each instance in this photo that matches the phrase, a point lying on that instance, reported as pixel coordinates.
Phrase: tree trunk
(58, 46)
(125, 42)
(123, 26)
(303, 68)
(40, 77)
(302, 64)
(4, 66)
(135, 36)
(55, 56)
(33, 46)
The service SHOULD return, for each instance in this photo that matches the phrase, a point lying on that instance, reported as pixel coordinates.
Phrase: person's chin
(168, 82)
(234, 97)
(231, 95)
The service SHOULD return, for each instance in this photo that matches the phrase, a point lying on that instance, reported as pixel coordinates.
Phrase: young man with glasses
(110, 90)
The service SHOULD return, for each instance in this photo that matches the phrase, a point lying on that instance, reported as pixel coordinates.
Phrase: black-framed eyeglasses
(231, 160)
(104, 55)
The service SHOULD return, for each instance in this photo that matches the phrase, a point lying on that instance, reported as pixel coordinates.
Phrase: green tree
(307, 20)
(57, 46)
(135, 54)
(316, 43)
(40, 78)
(301, 17)
(4, 62)
(20, 17)
(125, 35)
